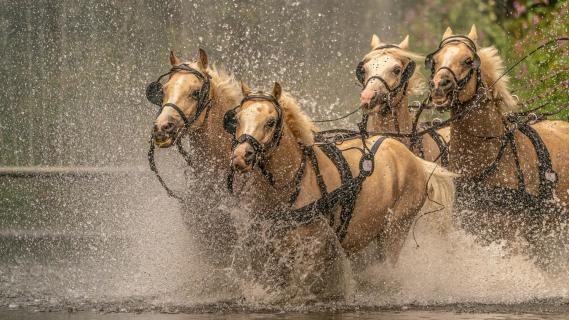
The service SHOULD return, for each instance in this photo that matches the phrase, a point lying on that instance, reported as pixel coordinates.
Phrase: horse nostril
(444, 83)
(169, 127)
(431, 83)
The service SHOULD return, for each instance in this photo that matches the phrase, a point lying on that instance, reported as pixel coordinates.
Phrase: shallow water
(396, 315)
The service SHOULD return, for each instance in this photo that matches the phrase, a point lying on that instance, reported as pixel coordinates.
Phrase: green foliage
(515, 28)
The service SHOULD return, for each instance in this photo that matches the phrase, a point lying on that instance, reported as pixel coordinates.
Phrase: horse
(388, 77)
(192, 102)
(510, 162)
(301, 183)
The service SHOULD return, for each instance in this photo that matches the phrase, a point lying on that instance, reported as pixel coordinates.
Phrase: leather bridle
(459, 83)
(155, 95)
(261, 150)
(391, 92)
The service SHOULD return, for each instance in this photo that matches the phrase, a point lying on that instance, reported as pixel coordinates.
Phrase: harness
(391, 92)
(155, 95)
(442, 144)
(474, 65)
(230, 125)
(547, 176)
(344, 196)
(416, 140)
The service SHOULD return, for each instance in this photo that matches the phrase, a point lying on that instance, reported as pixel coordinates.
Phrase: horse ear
(245, 89)
(277, 90)
(375, 42)
(405, 43)
(173, 59)
(447, 33)
(202, 59)
(473, 35)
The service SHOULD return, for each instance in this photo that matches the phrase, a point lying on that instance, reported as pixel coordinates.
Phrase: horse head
(257, 126)
(184, 99)
(384, 74)
(455, 69)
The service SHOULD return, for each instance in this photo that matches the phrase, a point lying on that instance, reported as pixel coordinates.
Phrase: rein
(155, 95)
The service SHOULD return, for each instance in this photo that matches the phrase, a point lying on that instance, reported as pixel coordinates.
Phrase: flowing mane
(416, 84)
(226, 88)
(492, 67)
(296, 120)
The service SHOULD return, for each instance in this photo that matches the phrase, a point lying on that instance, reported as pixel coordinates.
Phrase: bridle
(155, 95)
(391, 92)
(261, 150)
(460, 83)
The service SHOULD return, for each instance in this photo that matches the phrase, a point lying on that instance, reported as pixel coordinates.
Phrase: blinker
(154, 93)
(230, 121)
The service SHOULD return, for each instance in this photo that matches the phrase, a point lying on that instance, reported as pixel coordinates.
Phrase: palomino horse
(302, 183)
(527, 163)
(193, 100)
(388, 77)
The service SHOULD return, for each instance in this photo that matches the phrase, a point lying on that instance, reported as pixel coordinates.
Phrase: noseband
(155, 94)
(230, 125)
(391, 92)
(474, 66)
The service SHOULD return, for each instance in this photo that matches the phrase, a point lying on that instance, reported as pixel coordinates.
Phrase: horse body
(388, 77)
(389, 199)
(476, 134)
(209, 149)
(506, 185)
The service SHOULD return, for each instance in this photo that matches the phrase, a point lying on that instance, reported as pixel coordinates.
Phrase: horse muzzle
(243, 158)
(375, 104)
(164, 135)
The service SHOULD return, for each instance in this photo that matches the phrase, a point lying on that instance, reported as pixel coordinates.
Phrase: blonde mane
(297, 120)
(416, 84)
(226, 88)
(492, 67)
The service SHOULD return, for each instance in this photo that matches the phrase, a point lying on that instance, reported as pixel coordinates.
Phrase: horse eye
(468, 61)
(271, 123)
(194, 94)
(396, 71)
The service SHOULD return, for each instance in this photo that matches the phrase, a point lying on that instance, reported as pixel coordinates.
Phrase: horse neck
(398, 116)
(283, 163)
(472, 147)
(211, 141)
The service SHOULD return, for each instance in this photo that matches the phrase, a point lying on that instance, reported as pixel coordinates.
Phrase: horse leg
(399, 221)
(314, 261)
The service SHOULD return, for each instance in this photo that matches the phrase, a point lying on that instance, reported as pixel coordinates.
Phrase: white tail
(440, 190)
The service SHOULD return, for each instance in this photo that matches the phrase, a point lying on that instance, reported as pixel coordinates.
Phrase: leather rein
(155, 94)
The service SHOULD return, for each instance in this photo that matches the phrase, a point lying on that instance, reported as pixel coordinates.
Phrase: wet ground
(65, 254)
(397, 315)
